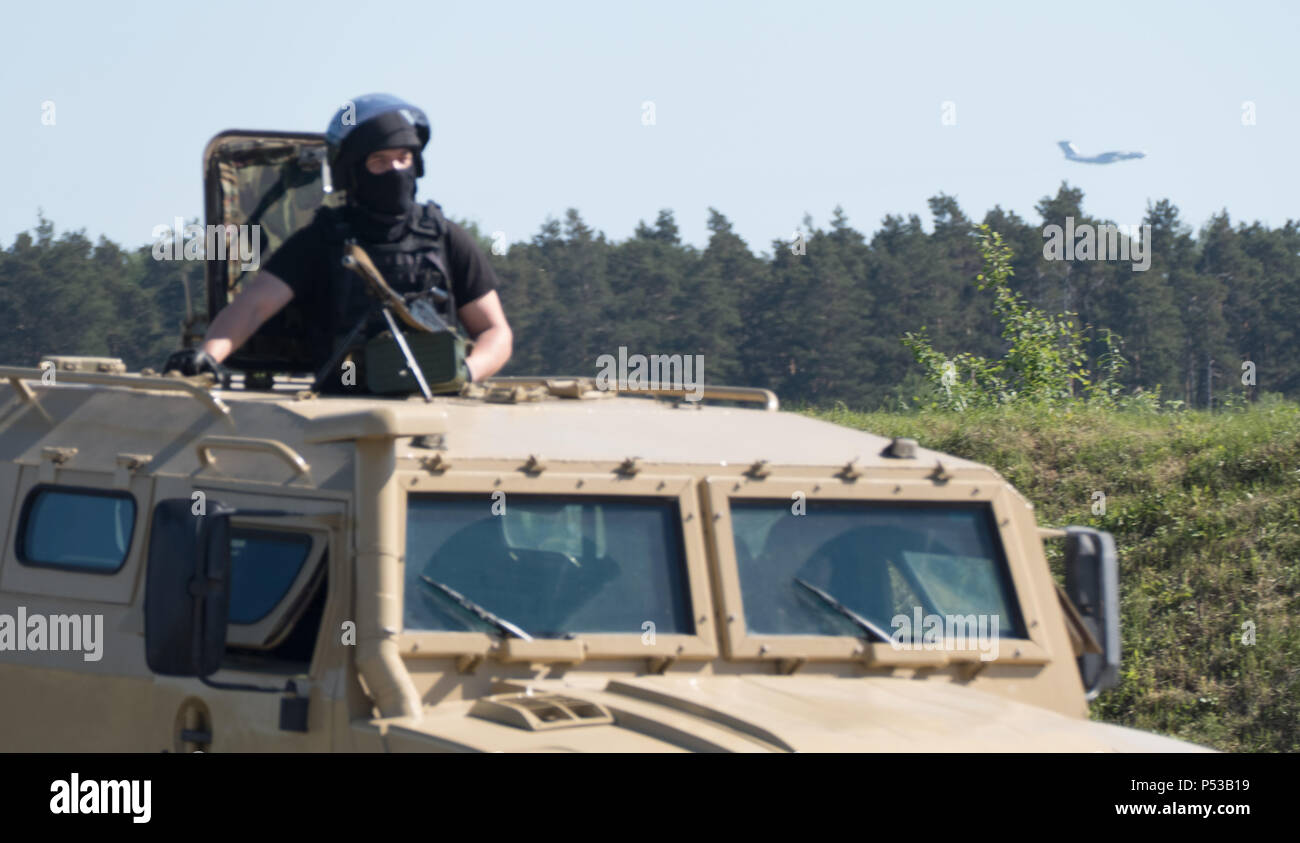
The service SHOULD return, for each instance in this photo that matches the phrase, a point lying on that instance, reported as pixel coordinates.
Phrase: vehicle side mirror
(187, 588)
(1092, 584)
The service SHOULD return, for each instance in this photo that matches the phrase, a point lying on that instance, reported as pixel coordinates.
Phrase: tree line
(819, 318)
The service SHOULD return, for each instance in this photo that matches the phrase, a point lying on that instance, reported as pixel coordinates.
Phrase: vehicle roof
(612, 429)
(103, 415)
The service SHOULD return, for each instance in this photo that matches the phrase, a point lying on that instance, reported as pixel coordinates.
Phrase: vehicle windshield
(553, 567)
(880, 560)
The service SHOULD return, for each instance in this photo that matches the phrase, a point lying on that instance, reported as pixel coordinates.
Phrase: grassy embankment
(1205, 509)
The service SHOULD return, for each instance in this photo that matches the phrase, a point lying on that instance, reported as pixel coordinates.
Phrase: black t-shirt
(302, 262)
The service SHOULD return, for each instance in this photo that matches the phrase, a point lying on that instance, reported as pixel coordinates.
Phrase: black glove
(193, 361)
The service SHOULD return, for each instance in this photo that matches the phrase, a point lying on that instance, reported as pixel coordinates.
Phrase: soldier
(375, 145)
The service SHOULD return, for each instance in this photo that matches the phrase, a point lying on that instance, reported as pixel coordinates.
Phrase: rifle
(417, 313)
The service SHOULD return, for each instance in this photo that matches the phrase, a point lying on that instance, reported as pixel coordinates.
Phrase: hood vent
(538, 712)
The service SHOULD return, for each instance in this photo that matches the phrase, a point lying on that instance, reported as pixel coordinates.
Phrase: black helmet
(374, 121)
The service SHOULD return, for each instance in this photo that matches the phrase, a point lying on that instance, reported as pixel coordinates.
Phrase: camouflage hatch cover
(273, 180)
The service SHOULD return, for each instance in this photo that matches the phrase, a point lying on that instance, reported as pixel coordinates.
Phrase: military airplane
(1072, 154)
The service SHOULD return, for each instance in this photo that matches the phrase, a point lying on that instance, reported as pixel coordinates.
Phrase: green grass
(1205, 509)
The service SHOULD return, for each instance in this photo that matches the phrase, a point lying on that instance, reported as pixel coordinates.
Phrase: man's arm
(256, 303)
(486, 323)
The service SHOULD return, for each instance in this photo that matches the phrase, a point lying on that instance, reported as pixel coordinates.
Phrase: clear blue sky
(763, 110)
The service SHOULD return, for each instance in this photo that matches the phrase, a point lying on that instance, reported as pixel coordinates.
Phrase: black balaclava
(391, 192)
(380, 205)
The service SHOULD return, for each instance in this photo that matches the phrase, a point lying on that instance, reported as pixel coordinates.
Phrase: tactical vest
(412, 266)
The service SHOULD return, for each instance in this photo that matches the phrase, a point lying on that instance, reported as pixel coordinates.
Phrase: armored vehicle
(531, 564)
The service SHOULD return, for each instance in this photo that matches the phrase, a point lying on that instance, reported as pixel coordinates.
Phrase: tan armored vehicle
(535, 564)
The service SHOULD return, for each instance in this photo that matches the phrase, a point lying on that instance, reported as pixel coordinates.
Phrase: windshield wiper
(478, 611)
(862, 623)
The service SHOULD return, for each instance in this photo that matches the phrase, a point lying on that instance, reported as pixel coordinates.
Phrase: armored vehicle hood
(765, 713)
